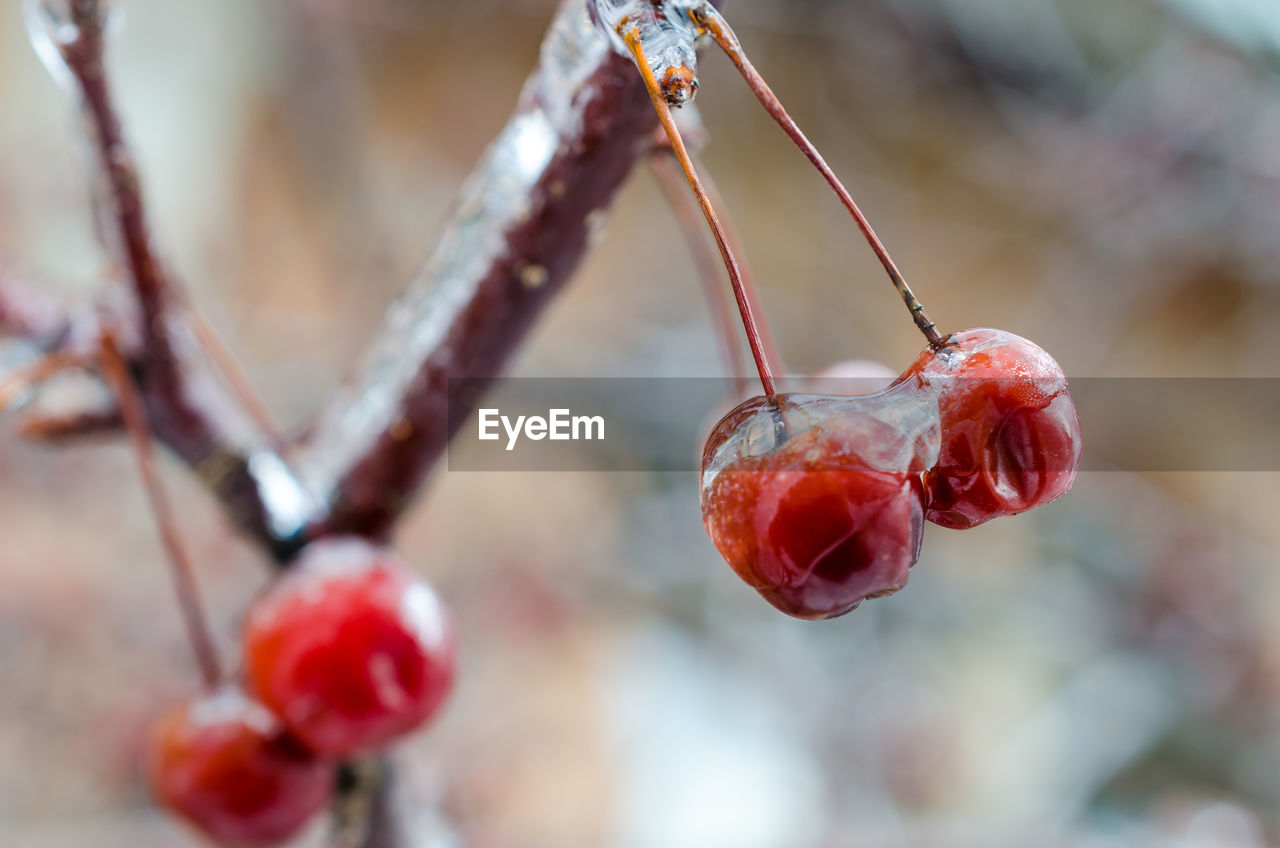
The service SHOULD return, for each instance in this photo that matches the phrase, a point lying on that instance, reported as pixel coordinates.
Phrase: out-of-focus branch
(116, 372)
(61, 333)
(75, 426)
(187, 408)
(364, 816)
(522, 224)
(28, 312)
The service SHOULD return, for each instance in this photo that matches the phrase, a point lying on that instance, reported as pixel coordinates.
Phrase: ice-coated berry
(1010, 433)
(816, 502)
(350, 648)
(222, 762)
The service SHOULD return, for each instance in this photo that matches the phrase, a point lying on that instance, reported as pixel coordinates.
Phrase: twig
(363, 809)
(237, 380)
(83, 54)
(80, 424)
(27, 377)
(186, 407)
(116, 372)
(520, 229)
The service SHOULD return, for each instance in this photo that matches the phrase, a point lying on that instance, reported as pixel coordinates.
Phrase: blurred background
(1102, 176)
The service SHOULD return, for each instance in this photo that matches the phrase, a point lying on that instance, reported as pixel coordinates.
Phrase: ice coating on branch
(52, 25)
(508, 184)
(667, 34)
(290, 507)
(49, 28)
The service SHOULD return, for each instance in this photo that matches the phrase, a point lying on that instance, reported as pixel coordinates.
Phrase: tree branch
(187, 408)
(522, 225)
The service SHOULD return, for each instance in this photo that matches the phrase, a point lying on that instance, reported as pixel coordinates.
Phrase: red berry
(223, 763)
(816, 502)
(1010, 433)
(349, 648)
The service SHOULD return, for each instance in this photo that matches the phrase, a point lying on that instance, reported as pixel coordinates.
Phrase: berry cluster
(346, 652)
(818, 502)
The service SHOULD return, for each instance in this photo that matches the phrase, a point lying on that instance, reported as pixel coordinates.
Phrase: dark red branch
(116, 372)
(75, 426)
(522, 226)
(188, 410)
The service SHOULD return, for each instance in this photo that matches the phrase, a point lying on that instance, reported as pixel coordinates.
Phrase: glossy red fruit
(350, 648)
(222, 762)
(1010, 433)
(816, 502)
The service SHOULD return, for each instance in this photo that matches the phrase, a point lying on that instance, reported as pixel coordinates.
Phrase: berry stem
(26, 377)
(682, 156)
(237, 381)
(713, 23)
(116, 372)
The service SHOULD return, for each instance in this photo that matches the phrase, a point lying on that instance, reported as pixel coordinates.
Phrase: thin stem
(237, 380)
(709, 19)
(671, 181)
(26, 377)
(682, 155)
(188, 410)
(116, 373)
(64, 427)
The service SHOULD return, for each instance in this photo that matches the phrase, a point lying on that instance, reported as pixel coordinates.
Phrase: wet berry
(817, 502)
(222, 762)
(1010, 433)
(350, 648)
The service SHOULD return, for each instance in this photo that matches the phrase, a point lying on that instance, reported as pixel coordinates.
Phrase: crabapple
(1010, 433)
(350, 648)
(816, 502)
(223, 762)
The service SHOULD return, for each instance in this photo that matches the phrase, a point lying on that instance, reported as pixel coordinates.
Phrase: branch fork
(521, 227)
